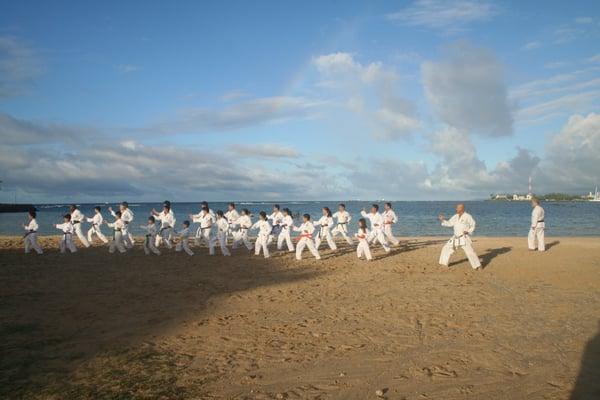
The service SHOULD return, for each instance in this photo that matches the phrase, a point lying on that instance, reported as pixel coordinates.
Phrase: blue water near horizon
(416, 218)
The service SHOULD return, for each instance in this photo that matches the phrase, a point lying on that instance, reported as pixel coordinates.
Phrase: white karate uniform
(461, 224)
(184, 237)
(30, 237)
(150, 239)
(127, 218)
(76, 219)
(275, 219)
(363, 244)
(536, 233)
(66, 241)
(117, 241)
(167, 222)
(376, 229)
(232, 217)
(222, 230)
(306, 240)
(343, 219)
(285, 234)
(243, 224)
(389, 218)
(262, 239)
(325, 223)
(204, 232)
(96, 222)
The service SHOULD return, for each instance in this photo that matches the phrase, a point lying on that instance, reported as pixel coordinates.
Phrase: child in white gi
(30, 237)
(363, 243)
(286, 228)
(376, 226)
(389, 218)
(96, 222)
(264, 231)
(325, 224)
(232, 216)
(150, 236)
(244, 223)
(67, 229)
(306, 238)
(127, 218)
(275, 217)
(204, 232)
(117, 240)
(343, 219)
(167, 222)
(222, 230)
(184, 237)
(76, 219)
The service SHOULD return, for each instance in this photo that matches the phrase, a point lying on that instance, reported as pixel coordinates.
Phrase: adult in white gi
(204, 232)
(376, 220)
(30, 236)
(150, 236)
(264, 232)
(96, 222)
(276, 217)
(464, 225)
(362, 249)
(127, 218)
(325, 223)
(389, 218)
(184, 237)
(67, 229)
(535, 239)
(117, 238)
(343, 220)
(222, 232)
(231, 216)
(286, 229)
(76, 219)
(306, 238)
(167, 222)
(240, 235)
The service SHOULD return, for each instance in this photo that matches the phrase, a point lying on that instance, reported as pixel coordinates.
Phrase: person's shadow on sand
(487, 257)
(551, 244)
(587, 385)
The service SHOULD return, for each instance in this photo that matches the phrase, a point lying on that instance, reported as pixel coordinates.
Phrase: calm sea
(417, 218)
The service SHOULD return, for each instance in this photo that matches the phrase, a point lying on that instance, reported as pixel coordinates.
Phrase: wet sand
(98, 326)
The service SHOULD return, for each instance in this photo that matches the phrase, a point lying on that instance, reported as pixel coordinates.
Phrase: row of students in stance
(218, 228)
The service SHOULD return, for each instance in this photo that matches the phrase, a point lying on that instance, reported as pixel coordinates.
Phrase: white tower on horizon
(530, 187)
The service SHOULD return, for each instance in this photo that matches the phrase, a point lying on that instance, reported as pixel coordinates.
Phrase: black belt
(76, 222)
(28, 233)
(541, 220)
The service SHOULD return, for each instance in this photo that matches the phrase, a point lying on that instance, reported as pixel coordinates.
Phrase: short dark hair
(219, 213)
(67, 217)
(375, 206)
(186, 223)
(125, 204)
(306, 216)
(150, 218)
(246, 211)
(342, 205)
(33, 213)
(276, 206)
(389, 205)
(263, 215)
(118, 214)
(232, 205)
(98, 208)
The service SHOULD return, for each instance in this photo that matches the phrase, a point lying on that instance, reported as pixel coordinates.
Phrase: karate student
(536, 233)
(286, 228)
(464, 225)
(232, 216)
(30, 237)
(117, 238)
(325, 224)
(244, 223)
(67, 240)
(363, 243)
(264, 232)
(343, 219)
(204, 232)
(376, 220)
(150, 236)
(96, 222)
(127, 218)
(389, 218)
(184, 237)
(76, 219)
(275, 217)
(167, 222)
(306, 238)
(222, 231)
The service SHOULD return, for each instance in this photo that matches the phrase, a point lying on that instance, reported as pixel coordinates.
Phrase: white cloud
(265, 150)
(18, 131)
(467, 91)
(233, 95)
(534, 44)
(127, 68)
(448, 16)
(584, 20)
(18, 66)
(594, 59)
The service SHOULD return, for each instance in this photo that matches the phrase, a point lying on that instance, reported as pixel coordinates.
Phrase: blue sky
(324, 100)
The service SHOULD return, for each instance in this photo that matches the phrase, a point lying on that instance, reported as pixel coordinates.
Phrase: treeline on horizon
(547, 197)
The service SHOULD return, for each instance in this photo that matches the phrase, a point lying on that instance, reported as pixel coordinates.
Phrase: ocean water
(416, 218)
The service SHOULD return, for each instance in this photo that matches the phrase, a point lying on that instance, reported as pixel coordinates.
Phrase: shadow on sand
(487, 257)
(587, 385)
(552, 244)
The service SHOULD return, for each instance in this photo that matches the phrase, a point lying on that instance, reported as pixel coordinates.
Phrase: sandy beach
(97, 326)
